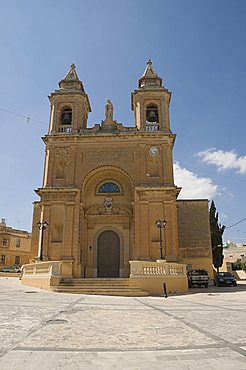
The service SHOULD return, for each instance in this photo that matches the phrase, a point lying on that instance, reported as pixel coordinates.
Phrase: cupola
(150, 78)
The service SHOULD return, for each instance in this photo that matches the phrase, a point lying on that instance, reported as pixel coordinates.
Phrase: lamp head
(160, 223)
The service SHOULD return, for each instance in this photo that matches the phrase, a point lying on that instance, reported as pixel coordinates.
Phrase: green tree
(217, 231)
(237, 265)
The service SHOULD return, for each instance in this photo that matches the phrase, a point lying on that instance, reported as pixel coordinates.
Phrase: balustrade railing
(152, 126)
(144, 268)
(42, 268)
(67, 129)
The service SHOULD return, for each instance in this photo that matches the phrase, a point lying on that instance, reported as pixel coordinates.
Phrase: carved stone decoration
(106, 209)
(153, 165)
(61, 159)
(153, 151)
(108, 205)
(109, 156)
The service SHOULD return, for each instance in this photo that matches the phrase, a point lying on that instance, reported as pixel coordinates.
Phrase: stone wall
(194, 234)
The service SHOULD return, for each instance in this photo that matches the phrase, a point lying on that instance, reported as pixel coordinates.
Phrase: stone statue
(109, 110)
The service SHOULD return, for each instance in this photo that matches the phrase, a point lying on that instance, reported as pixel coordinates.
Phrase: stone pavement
(205, 329)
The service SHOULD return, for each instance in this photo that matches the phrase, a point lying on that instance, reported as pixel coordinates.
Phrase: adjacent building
(15, 246)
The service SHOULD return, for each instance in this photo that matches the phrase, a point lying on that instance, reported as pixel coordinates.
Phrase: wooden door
(108, 255)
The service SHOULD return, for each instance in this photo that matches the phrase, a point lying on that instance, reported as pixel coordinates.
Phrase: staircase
(100, 286)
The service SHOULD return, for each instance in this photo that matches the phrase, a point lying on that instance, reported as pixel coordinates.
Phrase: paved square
(204, 329)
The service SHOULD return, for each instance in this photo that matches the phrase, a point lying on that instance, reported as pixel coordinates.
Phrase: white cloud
(223, 216)
(193, 187)
(224, 160)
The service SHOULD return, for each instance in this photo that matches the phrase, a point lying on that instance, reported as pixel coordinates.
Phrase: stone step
(104, 280)
(96, 282)
(100, 281)
(131, 292)
(101, 286)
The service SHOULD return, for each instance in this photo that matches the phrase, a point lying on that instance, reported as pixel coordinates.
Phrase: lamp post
(42, 225)
(160, 224)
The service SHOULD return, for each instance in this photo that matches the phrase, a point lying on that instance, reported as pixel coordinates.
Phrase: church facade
(104, 188)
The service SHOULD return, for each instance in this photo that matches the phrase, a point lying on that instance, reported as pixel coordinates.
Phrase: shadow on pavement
(241, 287)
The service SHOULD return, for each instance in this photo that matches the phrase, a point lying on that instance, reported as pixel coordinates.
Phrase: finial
(149, 62)
(72, 66)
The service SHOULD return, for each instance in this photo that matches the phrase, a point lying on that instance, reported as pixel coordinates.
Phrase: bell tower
(69, 105)
(150, 102)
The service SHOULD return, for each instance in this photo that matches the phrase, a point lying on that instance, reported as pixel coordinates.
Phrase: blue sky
(197, 47)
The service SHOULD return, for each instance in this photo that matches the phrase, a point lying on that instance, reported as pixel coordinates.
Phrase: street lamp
(160, 224)
(42, 225)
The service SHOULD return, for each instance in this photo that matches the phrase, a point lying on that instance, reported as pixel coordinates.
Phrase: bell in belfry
(66, 117)
(151, 116)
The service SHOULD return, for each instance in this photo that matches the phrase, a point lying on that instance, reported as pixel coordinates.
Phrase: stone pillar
(170, 231)
(47, 232)
(71, 171)
(76, 237)
(144, 229)
(124, 269)
(56, 116)
(51, 125)
(142, 167)
(50, 167)
(90, 257)
(135, 248)
(168, 164)
(67, 250)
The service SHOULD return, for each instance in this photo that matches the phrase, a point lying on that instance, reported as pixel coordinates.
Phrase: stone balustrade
(51, 268)
(67, 129)
(148, 276)
(42, 274)
(151, 276)
(146, 268)
(152, 126)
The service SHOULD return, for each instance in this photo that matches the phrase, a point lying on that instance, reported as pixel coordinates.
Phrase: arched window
(152, 114)
(66, 116)
(109, 187)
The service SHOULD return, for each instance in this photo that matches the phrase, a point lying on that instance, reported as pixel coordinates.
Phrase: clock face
(154, 151)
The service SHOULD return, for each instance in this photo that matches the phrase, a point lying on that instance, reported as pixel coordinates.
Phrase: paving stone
(44, 330)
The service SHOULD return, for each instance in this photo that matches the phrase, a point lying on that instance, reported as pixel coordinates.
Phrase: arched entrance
(108, 255)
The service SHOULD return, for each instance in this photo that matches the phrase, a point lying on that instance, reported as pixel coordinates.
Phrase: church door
(108, 255)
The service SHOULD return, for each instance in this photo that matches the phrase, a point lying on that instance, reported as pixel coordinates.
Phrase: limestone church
(105, 187)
